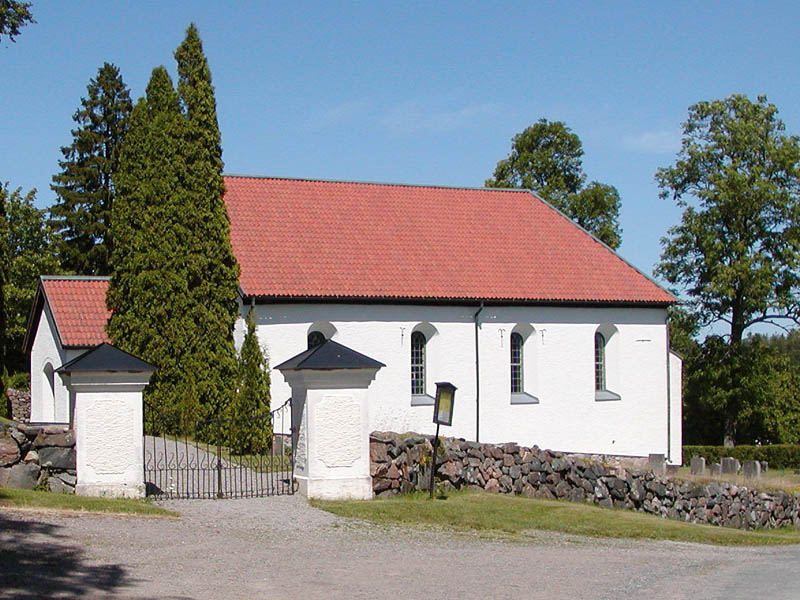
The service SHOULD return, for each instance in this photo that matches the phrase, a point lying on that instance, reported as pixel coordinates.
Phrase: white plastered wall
(47, 406)
(558, 367)
(676, 408)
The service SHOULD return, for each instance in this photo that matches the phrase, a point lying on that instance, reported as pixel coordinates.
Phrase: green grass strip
(35, 499)
(514, 515)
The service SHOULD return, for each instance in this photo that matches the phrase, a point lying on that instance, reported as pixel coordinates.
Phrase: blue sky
(427, 93)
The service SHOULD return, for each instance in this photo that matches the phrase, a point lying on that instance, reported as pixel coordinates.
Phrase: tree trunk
(734, 400)
(730, 431)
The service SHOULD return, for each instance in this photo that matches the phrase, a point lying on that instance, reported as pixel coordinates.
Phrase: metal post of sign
(442, 415)
(433, 458)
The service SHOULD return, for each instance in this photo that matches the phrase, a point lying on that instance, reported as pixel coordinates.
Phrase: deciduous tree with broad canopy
(548, 158)
(31, 245)
(736, 252)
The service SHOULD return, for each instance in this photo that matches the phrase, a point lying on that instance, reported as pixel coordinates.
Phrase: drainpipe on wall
(669, 394)
(477, 376)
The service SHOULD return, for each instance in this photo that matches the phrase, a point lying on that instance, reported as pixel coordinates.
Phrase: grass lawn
(514, 515)
(35, 499)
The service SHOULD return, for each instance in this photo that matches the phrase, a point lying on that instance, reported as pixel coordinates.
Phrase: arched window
(516, 363)
(49, 393)
(315, 338)
(418, 342)
(599, 362)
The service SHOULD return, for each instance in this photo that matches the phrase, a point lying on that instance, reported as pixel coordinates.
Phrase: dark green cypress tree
(85, 186)
(149, 292)
(212, 268)
(250, 417)
(175, 279)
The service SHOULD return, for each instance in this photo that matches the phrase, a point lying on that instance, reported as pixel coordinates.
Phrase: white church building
(550, 337)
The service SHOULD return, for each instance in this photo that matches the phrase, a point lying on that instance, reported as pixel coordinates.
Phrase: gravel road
(279, 547)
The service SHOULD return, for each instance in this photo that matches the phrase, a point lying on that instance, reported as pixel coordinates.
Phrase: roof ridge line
(75, 277)
(381, 183)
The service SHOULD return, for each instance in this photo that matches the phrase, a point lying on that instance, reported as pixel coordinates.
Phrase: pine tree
(85, 186)
(149, 289)
(213, 270)
(250, 417)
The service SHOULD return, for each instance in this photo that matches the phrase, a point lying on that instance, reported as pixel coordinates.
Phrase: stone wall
(400, 463)
(19, 405)
(40, 456)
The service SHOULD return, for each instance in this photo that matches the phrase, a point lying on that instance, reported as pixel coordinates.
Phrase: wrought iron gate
(237, 463)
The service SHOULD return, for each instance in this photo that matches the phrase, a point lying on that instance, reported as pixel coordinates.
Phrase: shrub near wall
(779, 456)
(400, 463)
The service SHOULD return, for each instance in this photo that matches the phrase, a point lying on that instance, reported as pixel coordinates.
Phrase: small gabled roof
(316, 241)
(327, 356)
(78, 306)
(106, 357)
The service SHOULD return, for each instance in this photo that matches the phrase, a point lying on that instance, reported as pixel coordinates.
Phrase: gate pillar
(330, 420)
(105, 387)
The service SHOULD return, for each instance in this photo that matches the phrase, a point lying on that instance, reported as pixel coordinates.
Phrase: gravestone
(698, 466)
(730, 466)
(764, 466)
(657, 464)
(716, 470)
(751, 468)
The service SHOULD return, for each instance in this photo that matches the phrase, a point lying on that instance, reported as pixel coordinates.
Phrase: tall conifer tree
(149, 289)
(85, 186)
(250, 415)
(175, 279)
(213, 270)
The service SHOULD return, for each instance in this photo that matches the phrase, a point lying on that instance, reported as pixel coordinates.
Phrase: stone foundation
(37, 456)
(401, 463)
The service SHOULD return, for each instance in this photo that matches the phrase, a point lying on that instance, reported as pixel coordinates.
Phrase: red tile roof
(364, 241)
(79, 307)
(323, 239)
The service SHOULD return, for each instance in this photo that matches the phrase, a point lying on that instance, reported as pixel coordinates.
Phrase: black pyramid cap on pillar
(328, 356)
(106, 357)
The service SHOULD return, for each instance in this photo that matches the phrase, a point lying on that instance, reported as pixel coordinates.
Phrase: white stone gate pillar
(105, 386)
(330, 421)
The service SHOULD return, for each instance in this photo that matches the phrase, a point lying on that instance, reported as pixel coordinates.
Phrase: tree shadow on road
(37, 561)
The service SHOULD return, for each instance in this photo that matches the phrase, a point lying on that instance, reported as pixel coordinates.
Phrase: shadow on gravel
(36, 561)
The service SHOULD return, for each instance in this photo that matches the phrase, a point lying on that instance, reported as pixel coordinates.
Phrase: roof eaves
(33, 319)
(461, 300)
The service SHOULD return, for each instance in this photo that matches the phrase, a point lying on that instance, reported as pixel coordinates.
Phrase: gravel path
(279, 547)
